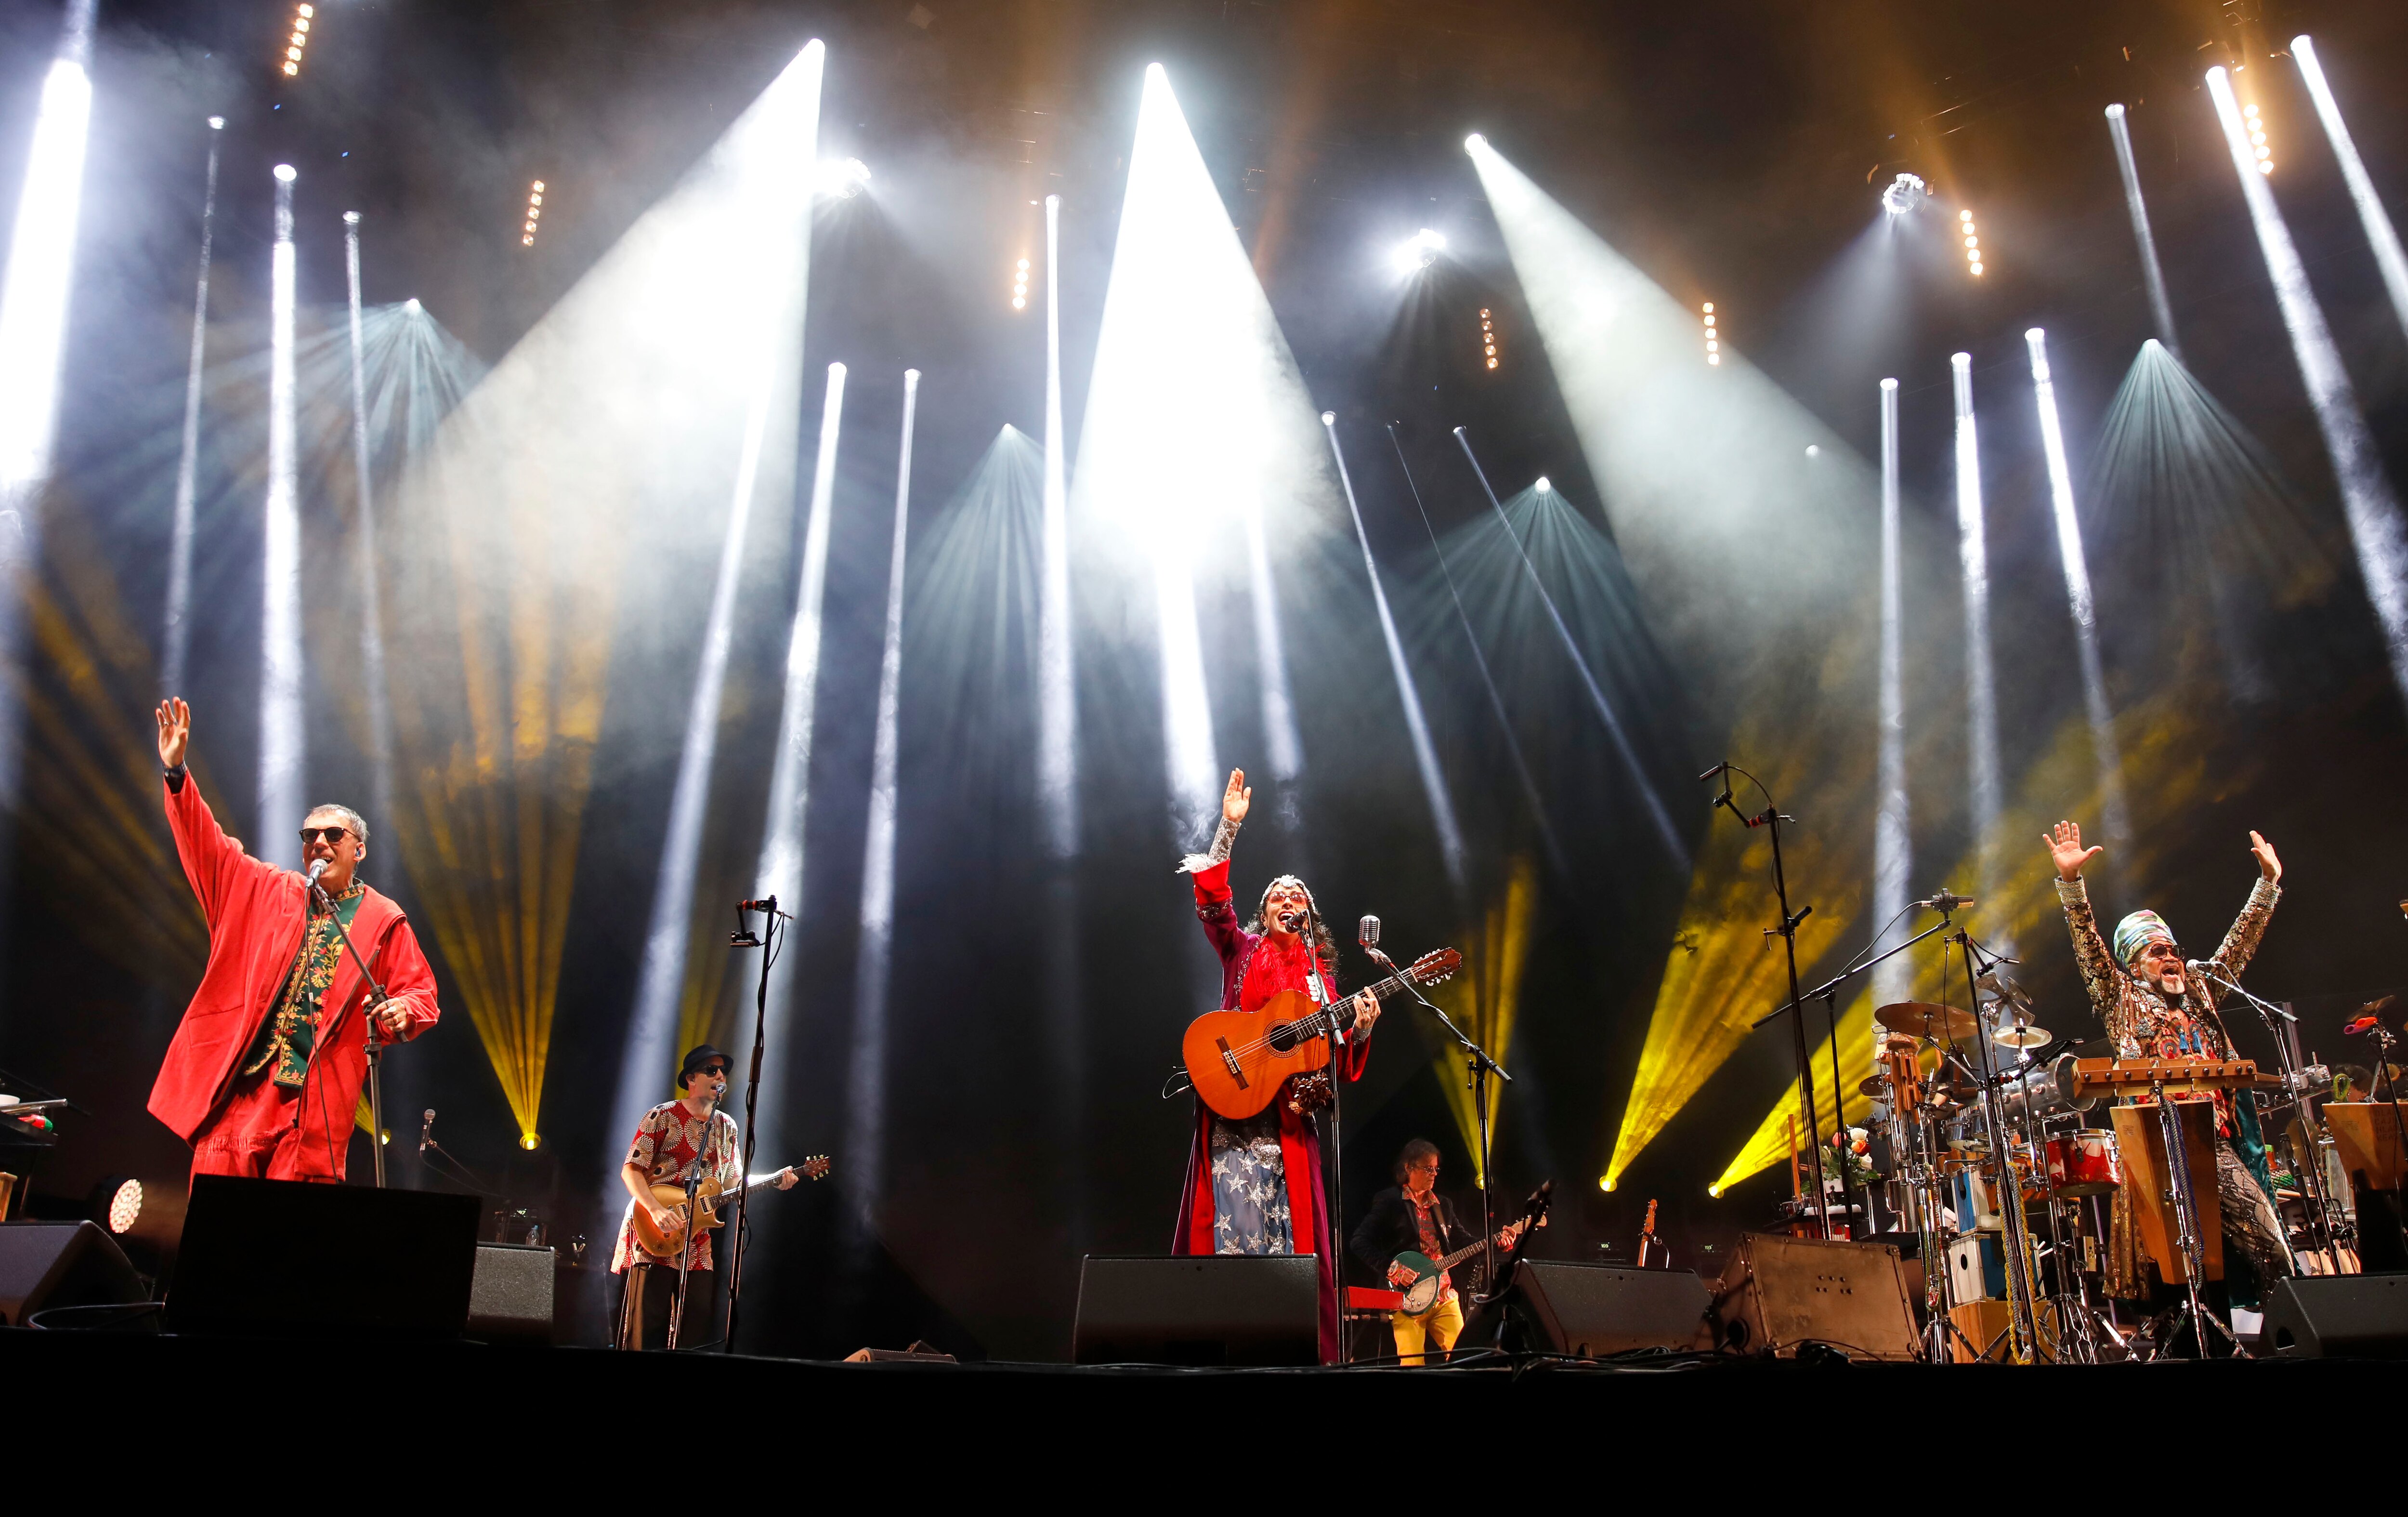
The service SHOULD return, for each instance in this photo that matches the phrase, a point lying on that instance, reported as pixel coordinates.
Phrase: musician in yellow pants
(1415, 1221)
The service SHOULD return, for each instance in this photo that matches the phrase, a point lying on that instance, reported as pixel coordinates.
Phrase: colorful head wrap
(2137, 931)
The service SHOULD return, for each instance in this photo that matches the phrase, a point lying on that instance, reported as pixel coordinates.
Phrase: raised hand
(2267, 864)
(2065, 849)
(1238, 798)
(176, 732)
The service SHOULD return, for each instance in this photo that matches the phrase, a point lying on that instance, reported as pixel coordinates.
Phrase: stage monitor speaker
(1779, 1291)
(295, 1260)
(47, 1265)
(1198, 1309)
(2337, 1317)
(511, 1299)
(1592, 1310)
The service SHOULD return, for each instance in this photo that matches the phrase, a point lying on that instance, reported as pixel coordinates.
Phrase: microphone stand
(2383, 1041)
(1337, 1046)
(1770, 817)
(375, 1041)
(2294, 1081)
(738, 1235)
(1479, 1068)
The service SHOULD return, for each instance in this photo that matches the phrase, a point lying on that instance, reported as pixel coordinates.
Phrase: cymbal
(2020, 1036)
(2386, 1010)
(1926, 1018)
(1873, 1088)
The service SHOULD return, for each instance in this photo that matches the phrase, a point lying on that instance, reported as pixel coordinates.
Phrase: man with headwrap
(2155, 1008)
(1255, 1186)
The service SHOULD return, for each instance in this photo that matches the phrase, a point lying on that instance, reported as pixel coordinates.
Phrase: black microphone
(1945, 900)
(1367, 932)
(1292, 922)
(1726, 764)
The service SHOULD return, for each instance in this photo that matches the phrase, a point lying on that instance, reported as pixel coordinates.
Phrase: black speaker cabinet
(510, 1298)
(46, 1265)
(2337, 1317)
(319, 1261)
(1592, 1310)
(1198, 1309)
(1779, 1291)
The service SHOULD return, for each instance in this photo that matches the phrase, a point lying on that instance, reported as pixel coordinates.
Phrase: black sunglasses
(331, 834)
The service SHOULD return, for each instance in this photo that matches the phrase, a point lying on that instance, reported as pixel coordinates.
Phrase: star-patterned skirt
(1250, 1211)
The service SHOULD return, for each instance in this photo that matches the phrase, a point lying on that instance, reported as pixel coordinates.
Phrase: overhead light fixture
(1714, 334)
(1020, 285)
(1488, 336)
(1905, 194)
(297, 39)
(841, 179)
(1972, 235)
(1418, 252)
(534, 214)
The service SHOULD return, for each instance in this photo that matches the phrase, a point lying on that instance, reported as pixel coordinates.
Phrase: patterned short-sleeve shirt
(669, 1143)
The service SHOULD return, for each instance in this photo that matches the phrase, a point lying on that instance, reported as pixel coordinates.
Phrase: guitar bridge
(1231, 1060)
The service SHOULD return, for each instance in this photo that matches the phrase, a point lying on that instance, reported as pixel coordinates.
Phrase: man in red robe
(1254, 1186)
(264, 1074)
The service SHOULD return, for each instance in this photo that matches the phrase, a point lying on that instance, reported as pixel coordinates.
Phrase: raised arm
(213, 863)
(2249, 928)
(1210, 872)
(2101, 977)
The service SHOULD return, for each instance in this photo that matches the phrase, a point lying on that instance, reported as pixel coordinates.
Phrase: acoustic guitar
(1423, 1294)
(708, 1197)
(1237, 1058)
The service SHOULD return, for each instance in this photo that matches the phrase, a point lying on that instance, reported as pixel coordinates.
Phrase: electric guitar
(1237, 1058)
(708, 1197)
(1423, 1294)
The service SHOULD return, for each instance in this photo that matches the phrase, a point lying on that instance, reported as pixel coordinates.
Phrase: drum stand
(2023, 1317)
(2193, 1241)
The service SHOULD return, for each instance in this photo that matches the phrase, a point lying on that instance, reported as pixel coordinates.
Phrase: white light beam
(2366, 494)
(1450, 835)
(2114, 813)
(283, 745)
(176, 639)
(1057, 757)
(2371, 214)
(866, 1104)
(34, 295)
(2152, 272)
(1893, 978)
(371, 600)
(1981, 679)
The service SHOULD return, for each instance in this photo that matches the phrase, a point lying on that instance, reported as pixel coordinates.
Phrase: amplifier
(2337, 1317)
(293, 1259)
(1781, 1292)
(510, 1295)
(1198, 1309)
(1592, 1310)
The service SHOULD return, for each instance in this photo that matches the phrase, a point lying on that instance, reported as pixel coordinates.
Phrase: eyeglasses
(331, 834)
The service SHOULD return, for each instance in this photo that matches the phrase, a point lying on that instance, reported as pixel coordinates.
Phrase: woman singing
(1253, 1186)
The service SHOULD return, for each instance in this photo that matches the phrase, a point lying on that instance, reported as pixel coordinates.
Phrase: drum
(2084, 1163)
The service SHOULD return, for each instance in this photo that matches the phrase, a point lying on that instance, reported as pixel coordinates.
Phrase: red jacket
(256, 914)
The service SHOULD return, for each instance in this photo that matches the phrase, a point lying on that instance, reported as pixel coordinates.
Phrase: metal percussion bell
(2020, 1036)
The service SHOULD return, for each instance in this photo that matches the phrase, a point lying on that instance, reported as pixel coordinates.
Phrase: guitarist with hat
(1413, 1219)
(688, 1140)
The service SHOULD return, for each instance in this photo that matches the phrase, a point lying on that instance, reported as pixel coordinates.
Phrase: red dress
(1252, 970)
(256, 915)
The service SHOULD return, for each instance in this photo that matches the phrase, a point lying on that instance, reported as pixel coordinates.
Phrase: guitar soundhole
(1284, 1037)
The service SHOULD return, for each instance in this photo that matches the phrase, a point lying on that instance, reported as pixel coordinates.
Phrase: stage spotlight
(411, 306)
(1714, 1191)
(1020, 285)
(284, 173)
(1543, 487)
(114, 1204)
(1488, 336)
(1417, 252)
(217, 123)
(534, 214)
(1814, 452)
(297, 39)
(1905, 194)
(1474, 142)
(1713, 337)
(841, 179)
(1605, 1182)
(2255, 126)
(1966, 229)
(529, 1142)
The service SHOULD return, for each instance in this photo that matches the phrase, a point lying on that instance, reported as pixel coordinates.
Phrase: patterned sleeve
(2101, 977)
(2249, 928)
(648, 1136)
(731, 1153)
